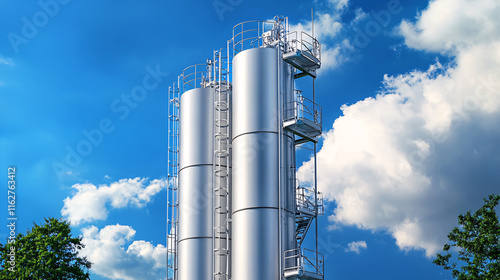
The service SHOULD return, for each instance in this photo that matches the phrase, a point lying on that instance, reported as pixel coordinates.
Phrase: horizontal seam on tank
(263, 131)
(253, 208)
(202, 164)
(201, 237)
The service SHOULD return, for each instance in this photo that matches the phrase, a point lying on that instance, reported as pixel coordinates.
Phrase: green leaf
(477, 238)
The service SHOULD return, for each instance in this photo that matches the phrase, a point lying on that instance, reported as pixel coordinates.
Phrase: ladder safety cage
(172, 180)
(221, 180)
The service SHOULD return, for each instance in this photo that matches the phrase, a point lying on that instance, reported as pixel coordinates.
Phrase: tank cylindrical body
(288, 161)
(195, 231)
(255, 162)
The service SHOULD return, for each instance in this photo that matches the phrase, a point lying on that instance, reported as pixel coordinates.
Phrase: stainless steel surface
(255, 245)
(195, 185)
(287, 154)
(288, 162)
(196, 127)
(255, 171)
(237, 162)
(195, 202)
(193, 264)
(255, 200)
(255, 89)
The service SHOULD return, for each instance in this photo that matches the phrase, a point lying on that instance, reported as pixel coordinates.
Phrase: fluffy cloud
(451, 25)
(425, 149)
(356, 246)
(90, 202)
(105, 248)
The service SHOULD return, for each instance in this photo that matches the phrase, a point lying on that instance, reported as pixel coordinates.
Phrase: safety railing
(320, 207)
(305, 199)
(300, 262)
(195, 76)
(304, 109)
(304, 42)
(255, 34)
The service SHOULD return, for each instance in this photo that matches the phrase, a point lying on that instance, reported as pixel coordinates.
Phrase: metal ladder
(173, 169)
(221, 168)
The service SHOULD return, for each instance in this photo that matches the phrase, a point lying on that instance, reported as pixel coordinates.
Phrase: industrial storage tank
(236, 210)
(195, 252)
(255, 198)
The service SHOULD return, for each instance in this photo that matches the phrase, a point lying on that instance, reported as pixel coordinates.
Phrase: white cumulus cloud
(91, 202)
(425, 149)
(451, 25)
(105, 249)
(356, 246)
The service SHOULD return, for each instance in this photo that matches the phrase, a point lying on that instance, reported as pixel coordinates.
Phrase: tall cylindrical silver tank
(288, 161)
(255, 146)
(195, 250)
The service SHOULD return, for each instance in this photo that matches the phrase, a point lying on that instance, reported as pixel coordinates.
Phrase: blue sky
(410, 96)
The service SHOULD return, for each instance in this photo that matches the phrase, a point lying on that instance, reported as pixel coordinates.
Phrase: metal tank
(195, 250)
(255, 162)
(287, 161)
(237, 186)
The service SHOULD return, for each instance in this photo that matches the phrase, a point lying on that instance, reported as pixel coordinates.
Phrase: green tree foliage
(47, 251)
(477, 242)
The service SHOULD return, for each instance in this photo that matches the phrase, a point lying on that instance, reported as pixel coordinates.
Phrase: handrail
(305, 199)
(303, 42)
(304, 260)
(304, 108)
(256, 34)
(193, 77)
